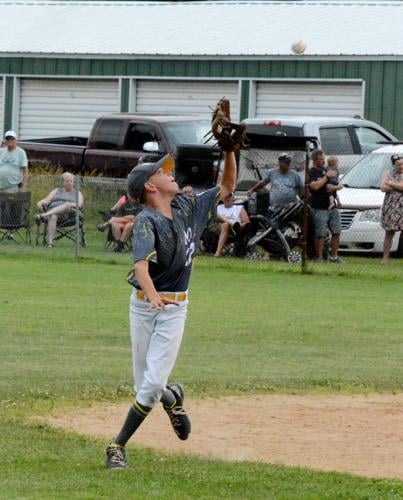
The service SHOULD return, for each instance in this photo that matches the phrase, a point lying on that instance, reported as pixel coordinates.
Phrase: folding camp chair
(14, 217)
(65, 228)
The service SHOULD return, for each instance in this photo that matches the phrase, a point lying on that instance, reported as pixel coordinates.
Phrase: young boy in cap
(165, 237)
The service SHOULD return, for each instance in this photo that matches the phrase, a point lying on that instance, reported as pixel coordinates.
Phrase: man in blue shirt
(165, 237)
(285, 184)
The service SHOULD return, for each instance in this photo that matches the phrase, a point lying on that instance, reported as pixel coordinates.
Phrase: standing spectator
(323, 218)
(13, 165)
(392, 209)
(233, 219)
(285, 184)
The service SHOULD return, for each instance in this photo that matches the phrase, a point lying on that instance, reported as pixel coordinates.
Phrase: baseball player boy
(165, 238)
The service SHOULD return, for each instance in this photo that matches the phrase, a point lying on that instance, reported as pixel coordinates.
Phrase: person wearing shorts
(121, 223)
(324, 219)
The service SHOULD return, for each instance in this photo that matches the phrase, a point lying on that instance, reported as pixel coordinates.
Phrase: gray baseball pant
(156, 338)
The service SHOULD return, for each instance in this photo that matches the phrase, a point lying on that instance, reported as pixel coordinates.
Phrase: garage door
(308, 99)
(184, 97)
(51, 108)
(1, 107)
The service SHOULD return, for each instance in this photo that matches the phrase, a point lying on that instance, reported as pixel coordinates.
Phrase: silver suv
(348, 138)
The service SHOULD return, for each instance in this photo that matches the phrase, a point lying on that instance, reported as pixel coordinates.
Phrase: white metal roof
(201, 29)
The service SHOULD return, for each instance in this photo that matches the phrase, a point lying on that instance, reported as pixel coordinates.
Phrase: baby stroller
(279, 232)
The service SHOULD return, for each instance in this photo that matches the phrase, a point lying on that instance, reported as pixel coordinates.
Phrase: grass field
(64, 342)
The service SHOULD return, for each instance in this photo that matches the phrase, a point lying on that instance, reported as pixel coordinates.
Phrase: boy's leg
(162, 351)
(141, 324)
(156, 338)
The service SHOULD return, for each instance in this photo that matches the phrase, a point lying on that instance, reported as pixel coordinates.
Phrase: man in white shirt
(233, 220)
(13, 165)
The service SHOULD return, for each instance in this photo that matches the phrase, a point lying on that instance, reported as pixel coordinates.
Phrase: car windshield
(186, 132)
(367, 173)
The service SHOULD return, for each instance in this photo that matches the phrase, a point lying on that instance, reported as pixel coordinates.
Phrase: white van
(348, 138)
(361, 201)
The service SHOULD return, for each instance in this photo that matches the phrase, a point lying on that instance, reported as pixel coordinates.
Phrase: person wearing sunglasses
(13, 165)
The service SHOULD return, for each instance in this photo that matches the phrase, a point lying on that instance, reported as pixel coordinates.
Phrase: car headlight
(373, 215)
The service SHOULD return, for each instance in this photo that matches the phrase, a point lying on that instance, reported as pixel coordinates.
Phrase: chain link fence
(285, 215)
(25, 220)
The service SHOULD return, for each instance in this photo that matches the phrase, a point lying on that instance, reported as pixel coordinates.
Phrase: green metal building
(63, 64)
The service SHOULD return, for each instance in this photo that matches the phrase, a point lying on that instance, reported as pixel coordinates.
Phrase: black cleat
(177, 414)
(116, 457)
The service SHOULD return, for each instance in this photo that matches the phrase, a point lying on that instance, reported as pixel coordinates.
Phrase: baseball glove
(229, 136)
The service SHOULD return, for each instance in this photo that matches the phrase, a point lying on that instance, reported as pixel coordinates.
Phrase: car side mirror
(151, 147)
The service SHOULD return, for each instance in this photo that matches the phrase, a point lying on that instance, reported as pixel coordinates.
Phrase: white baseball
(298, 46)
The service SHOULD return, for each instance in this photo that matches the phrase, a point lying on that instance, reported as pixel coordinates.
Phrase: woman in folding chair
(59, 204)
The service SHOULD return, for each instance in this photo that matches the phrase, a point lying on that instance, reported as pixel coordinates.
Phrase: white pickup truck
(350, 139)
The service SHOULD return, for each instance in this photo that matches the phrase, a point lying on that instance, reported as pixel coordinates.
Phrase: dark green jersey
(170, 245)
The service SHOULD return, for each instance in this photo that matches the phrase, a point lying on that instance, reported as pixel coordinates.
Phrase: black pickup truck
(117, 141)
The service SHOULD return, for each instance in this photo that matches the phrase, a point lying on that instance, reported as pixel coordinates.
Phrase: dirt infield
(357, 434)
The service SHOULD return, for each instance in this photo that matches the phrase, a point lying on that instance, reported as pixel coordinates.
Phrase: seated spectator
(61, 202)
(233, 220)
(285, 184)
(121, 225)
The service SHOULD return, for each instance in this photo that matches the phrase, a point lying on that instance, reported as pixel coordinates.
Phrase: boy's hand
(160, 303)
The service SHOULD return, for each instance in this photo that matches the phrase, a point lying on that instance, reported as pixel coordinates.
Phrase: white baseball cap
(10, 133)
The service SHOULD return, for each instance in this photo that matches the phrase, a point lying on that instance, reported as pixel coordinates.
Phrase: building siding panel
(396, 118)
(124, 97)
(1, 108)
(244, 104)
(184, 97)
(8, 89)
(376, 98)
(380, 94)
(276, 99)
(389, 89)
(51, 108)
